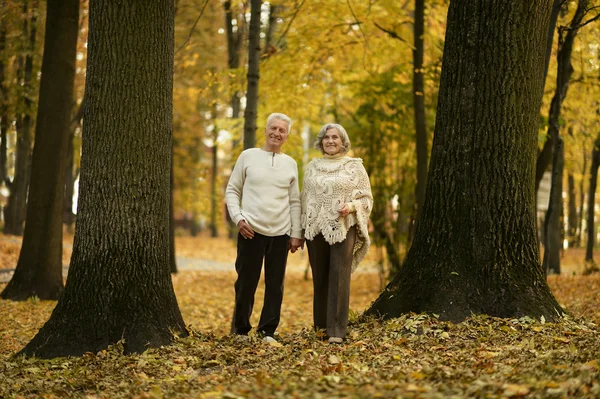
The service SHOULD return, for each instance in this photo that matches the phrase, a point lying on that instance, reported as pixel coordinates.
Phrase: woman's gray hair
(343, 135)
(281, 117)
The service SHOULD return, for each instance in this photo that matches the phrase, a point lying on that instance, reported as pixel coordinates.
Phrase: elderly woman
(336, 203)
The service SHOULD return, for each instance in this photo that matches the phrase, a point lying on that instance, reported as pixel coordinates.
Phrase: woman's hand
(344, 209)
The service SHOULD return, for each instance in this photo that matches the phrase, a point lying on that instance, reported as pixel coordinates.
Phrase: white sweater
(263, 190)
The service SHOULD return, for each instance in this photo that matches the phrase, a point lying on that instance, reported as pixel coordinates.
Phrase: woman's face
(332, 142)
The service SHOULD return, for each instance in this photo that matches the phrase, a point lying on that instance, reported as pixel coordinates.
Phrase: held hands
(344, 209)
(295, 243)
(245, 229)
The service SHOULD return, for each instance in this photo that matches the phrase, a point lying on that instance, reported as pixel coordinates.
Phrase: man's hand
(245, 229)
(296, 243)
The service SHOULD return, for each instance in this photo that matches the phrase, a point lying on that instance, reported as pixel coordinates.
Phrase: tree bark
(250, 113)
(419, 104)
(119, 285)
(475, 249)
(552, 225)
(39, 268)
(591, 211)
(572, 216)
(14, 215)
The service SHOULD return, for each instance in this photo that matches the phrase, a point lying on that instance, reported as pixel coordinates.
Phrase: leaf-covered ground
(413, 356)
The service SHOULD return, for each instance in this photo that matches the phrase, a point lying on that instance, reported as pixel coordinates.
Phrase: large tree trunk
(39, 269)
(419, 103)
(250, 113)
(572, 216)
(591, 211)
(14, 215)
(475, 249)
(545, 156)
(553, 236)
(119, 284)
(553, 225)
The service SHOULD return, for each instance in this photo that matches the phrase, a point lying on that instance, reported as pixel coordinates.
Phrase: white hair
(281, 117)
(343, 135)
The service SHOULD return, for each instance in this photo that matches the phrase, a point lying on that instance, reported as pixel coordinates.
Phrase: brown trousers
(331, 269)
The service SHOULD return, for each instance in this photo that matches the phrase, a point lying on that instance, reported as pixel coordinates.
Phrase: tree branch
(193, 26)
(391, 33)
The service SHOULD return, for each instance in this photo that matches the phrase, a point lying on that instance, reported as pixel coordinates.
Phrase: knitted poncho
(328, 184)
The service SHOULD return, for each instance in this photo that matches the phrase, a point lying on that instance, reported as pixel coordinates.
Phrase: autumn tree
(39, 269)
(119, 285)
(475, 248)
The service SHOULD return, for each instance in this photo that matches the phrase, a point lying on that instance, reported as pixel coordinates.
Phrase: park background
(346, 62)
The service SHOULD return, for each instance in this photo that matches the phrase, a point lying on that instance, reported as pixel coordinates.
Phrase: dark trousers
(248, 265)
(331, 269)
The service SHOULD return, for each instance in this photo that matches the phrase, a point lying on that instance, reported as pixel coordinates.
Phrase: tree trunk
(17, 201)
(250, 113)
(269, 48)
(119, 285)
(172, 253)
(234, 42)
(475, 249)
(71, 173)
(553, 221)
(581, 200)
(214, 232)
(591, 227)
(39, 269)
(545, 156)
(419, 103)
(4, 123)
(68, 216)
(572, 217)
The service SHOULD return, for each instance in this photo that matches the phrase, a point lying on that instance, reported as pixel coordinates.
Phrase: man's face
(276, 133)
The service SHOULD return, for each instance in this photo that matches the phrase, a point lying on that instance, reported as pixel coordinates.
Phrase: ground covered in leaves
(413, 356)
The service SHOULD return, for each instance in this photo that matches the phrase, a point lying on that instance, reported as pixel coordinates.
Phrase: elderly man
(263, 200)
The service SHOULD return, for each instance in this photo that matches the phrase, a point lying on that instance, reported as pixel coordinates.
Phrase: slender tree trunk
(172, 252)
(581, 201)
(119, 285)
(68, 216)
(553, 220)
(545, 156)
(269, 48)
(71, 173)
(591, 226)
(17, 201)
(419, 103)
(250, 113)
(553, 243)
(4, 123)
(39, 269)
(475, 249)
(572, 217)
